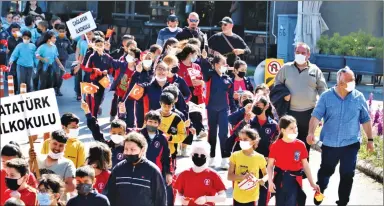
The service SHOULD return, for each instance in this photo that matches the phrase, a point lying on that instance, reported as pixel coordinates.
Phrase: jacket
(12, 43)
(136, 185)
(277, 95)
(268, 133)
(186, 33)
(283, 180)
(93, 198)
(64, 47)
(235, 117)
(117, 53)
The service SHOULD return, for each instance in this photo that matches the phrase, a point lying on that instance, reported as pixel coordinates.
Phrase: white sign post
(81, 24)
(29, 114)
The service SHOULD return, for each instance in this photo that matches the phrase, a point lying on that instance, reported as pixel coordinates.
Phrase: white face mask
(300, 59)
(129, 58)
(161, 79)
(245, 145)
(73, 133)
(223, 69)
(172, 29)
(26, 41)
(350, 86)
(52, 44)
(55, 156)
(172, 51)
(38, 21)
(292, 136)
(117, 139)
(147, 63)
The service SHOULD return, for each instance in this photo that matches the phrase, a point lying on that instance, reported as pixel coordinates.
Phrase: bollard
(1, 84)
(11, 87)
(23, 88)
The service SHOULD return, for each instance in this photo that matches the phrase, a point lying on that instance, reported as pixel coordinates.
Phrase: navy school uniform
(93, 198)
(144, 77)
(219, 99)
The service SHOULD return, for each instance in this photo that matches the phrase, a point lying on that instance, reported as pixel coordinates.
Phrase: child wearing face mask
(16, 182)
(25, 55)
(241, 83)
(288, 162)
(74, 149)
(50, 190)
(200, 185)
(247, 164)
(85, 181)
(100, 158)
(13, 40)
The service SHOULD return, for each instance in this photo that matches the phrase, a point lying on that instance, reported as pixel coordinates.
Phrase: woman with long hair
(31, 8)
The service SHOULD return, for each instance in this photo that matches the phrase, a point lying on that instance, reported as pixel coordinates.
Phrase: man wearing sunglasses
(228, 43)
(192, 31)
(170, 31)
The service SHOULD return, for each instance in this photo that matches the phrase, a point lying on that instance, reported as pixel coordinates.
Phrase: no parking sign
(272, 66)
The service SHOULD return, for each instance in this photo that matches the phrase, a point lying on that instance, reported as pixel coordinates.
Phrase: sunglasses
(194, 20)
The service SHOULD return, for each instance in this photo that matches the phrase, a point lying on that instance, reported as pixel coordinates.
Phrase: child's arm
(271, 185)
(15, 55)
(231, 173)
(181, 133)
(307, 171)
(59, 63)
(92, 124)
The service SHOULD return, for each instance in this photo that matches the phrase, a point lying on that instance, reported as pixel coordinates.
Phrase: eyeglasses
(161, 69)
(194, 20)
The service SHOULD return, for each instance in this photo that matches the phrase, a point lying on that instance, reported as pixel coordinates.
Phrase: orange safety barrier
(11, 87)
(1, 84)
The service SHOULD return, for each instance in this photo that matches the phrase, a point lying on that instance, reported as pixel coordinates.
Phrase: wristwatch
(370, 140)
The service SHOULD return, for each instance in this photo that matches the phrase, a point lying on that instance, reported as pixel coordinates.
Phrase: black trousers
(45, 76)
(302, 119)
(57, 74)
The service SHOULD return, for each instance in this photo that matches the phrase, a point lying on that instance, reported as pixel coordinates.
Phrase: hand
(311, 139)
(315, 187)
(76, 69)
(271, 187)
(187, 123)
(196, 82)
(248, 108)
(201, 200)
(260, 182)
(204, 54)
(105, 72)
(107, 45)
(122, 109)
(238, 51)
(185, 201)
(139, 68)
(236, 95)
(169, 179)
(32, 154)
(45, 60)
(247, 117)
(85, 107)
(287, 98)
(192, 130)
(62, 68)
(370, 146)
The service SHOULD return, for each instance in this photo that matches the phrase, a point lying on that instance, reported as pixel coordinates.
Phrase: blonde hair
(170, 59)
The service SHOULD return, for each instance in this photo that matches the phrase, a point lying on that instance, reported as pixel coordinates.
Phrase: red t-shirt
(183, 72)
(262, 122)
(31, 181)
(288, 156)
(101, 180)
(123, 85)
(237, 84)
(194, 185)
(28, 196)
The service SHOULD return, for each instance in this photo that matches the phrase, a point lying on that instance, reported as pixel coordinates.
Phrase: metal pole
(266, 29)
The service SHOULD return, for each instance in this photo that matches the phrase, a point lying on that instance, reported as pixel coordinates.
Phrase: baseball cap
(226, 20)
(172, 18)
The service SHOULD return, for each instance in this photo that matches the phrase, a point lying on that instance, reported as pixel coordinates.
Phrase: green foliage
(323, 44)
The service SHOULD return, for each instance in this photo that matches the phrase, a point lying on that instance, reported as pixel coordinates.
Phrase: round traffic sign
(273, 67)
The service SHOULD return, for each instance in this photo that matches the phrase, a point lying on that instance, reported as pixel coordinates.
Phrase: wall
(346, 17)
(282, 7)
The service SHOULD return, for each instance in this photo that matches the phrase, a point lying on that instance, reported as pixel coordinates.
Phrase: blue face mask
(44, 198)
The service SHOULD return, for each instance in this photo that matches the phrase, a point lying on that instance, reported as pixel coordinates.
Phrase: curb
(366, 168)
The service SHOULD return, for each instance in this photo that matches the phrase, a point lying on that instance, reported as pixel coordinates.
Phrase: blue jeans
(330, 157)
(24, 75)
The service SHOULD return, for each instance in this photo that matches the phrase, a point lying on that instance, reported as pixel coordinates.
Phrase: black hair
(54, 18)
(137, 52)
(61, 26)
(99, 39)
(51, 182)
(29, 20)
(195, 41)
(252, 134)
(47, 36)
(266, 102)
(85, 171)
(129, 42)
(60, 136)
(284, 122)
(13, 201)
(153, 115)
(27, 33)
(46, 171)
(260, 87)
(16, 14)
(173, 89)
(11, 149)
(167, 98)
(14, 26)
(169, 42)
(99, 33)
(238, 63)
(68, 118)
(101, 155)
(19, 164)
(138, 139)
(216, 59)
(154, 48)
(44, 24)
(187, 50)
(127, 37)
(118, 123)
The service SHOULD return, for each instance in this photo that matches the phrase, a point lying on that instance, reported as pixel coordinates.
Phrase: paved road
(365, 191)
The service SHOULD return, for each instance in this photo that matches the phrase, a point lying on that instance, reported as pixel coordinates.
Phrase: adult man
(343, 109)
(170, 31)
(305, 81)
(228, 43)
(136, 181)
(192, 31)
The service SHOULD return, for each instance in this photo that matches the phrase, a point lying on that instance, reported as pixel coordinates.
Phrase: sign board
(272, 66)
(81, 24)
(28, 114)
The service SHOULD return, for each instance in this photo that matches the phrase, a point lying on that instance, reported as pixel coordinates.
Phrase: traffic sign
(272, 67)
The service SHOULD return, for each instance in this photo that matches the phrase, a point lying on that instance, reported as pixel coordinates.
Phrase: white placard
(81, 24)
(33, 111)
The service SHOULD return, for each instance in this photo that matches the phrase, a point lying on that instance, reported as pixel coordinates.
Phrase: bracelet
(370, 140)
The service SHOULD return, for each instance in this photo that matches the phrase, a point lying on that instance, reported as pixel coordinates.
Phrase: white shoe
(212, 162)
(224, 164)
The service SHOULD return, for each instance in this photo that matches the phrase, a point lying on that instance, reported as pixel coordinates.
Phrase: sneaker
(58, 93)
(318, 198)
(112, 118)
(212, 162)
(224, 164)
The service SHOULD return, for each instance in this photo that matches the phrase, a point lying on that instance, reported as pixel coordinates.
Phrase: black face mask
(84, 189)
(247, 101)
(12, 184)
(199, 161)
(257, 110)
(39, 30)
(132, 158)
(230, 73)
(241, 74)
(175, 69)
